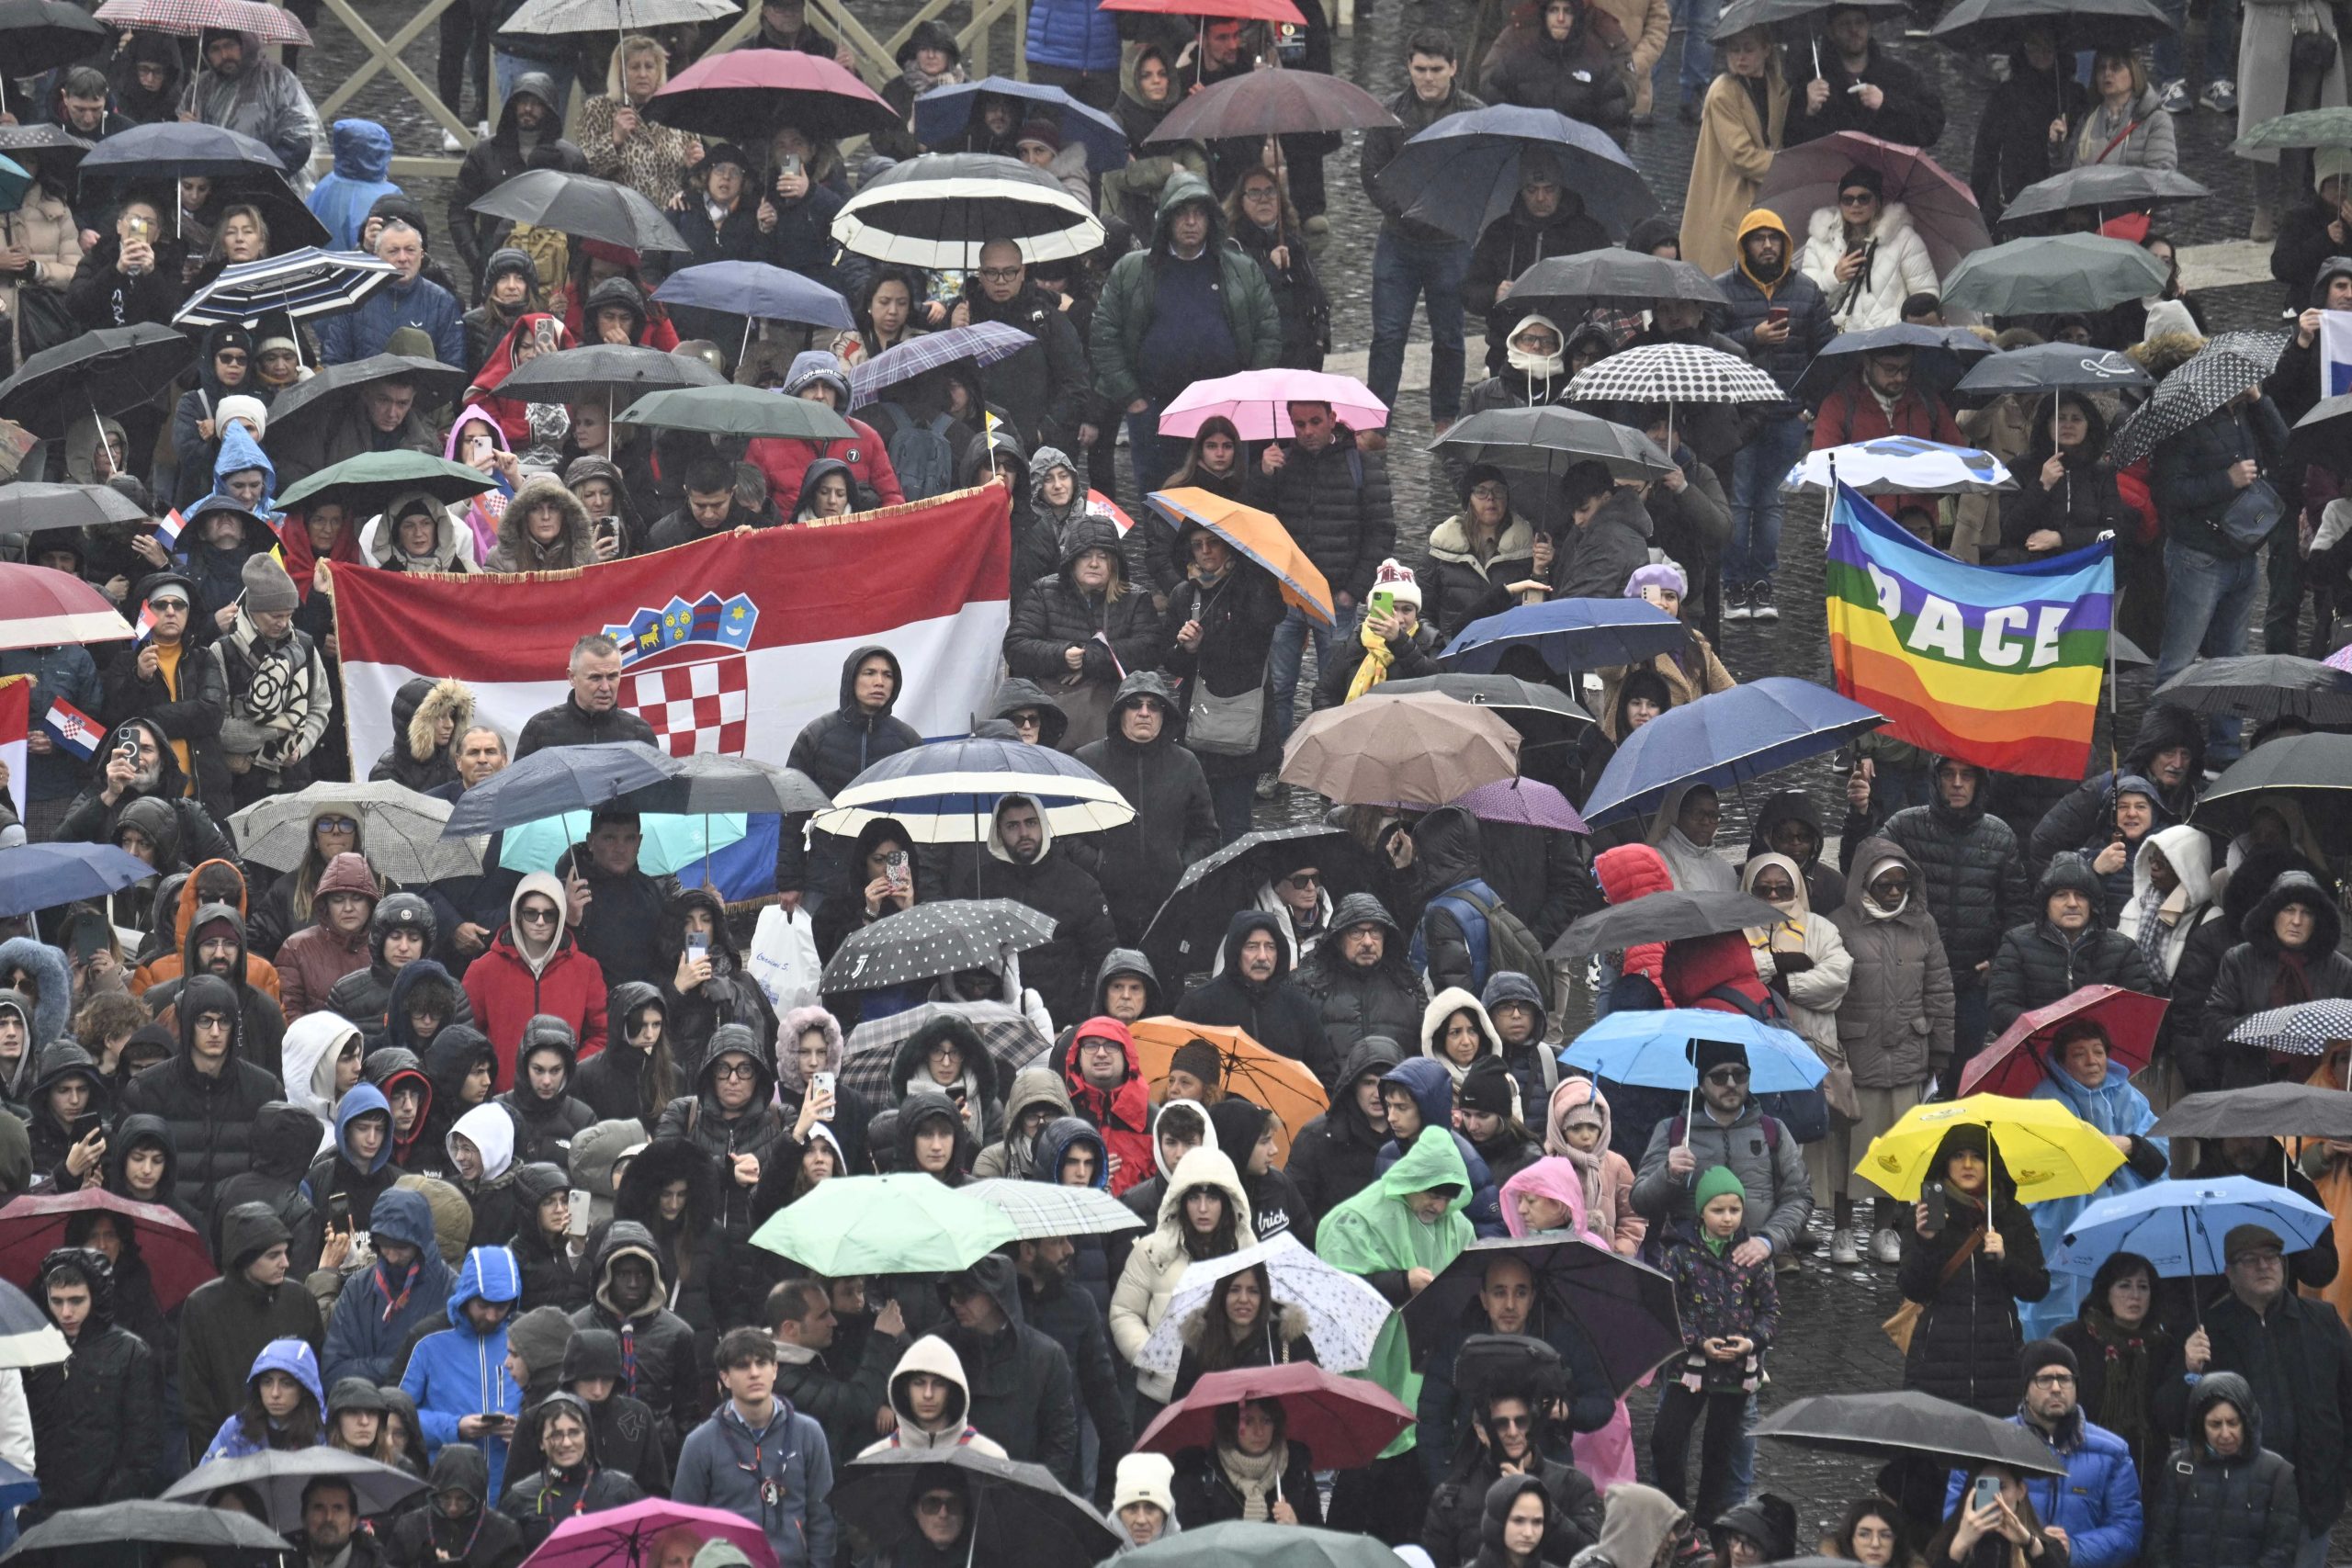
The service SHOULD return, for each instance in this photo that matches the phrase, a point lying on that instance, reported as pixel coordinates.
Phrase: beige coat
(1646, 24)
(44, 227)
(1735, 154)
(2005, 428)
(1714, 677)
(1156, 1267)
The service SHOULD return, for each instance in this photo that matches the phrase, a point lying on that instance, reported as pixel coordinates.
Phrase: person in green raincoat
(1398, 1233)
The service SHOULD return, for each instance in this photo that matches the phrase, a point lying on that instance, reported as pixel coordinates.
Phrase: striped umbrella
(41, 608)
(308, 282)
(982, 343)
(948, 793)
(937, 210)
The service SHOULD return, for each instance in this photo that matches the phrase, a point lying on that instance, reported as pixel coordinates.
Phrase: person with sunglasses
(532, 966)
(1302, 899)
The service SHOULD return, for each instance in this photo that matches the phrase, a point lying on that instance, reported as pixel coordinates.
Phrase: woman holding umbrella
(622, 142)
(2066, 494)
(2081, 1079)
(2024, 125)
(1241, 1324)
(1966, 1271)
(1219, 633)
(1252, 1472)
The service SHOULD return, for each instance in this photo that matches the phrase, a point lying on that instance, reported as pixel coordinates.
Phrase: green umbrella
(1239, 1544)
(2305, 128)
(737, 410)
(2053, 275)
(369, 482)
(907, 1222)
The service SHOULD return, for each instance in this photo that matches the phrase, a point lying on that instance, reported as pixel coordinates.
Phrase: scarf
(1258, 1480)
(2292, 982)
(1377, 657)
(2124, 1398)
(1878, 911)
(2154, 929)
(923, 81)
(394, 1302)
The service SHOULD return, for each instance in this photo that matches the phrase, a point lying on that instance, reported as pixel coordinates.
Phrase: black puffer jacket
(551, 1275)
(1174, 822)
(1386, 999)
(2211, 1512)
(212, 1118)
(544, 1128)
(1335, 504)
(1055, 616)
(363, 994)
(1965, 1347)
(2201, 961)
(1974, 865)
(1276, 1013)
(2258, 974)
(835, 749)
(1055, 883)
(759, 1129)
(730, 995)
(612, 1081)
(1581, 76)
(665, 1378)
(97, 1417)
(2036, 964)
(2075, 821)
(1460, 1520)
(1238, 618)
(2295, 1356)
(1024, 1394)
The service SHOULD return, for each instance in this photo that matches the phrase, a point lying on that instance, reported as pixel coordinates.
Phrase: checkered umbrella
(1042, 1209)
(2196, 389)
(931, 940)
(308, 282)
(982, 343)
(2306, 1029)
(1673, 373)
(190, 18)
(1012, 1042)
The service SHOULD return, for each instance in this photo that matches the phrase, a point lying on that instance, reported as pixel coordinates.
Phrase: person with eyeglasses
(732, 1116)
(535, 965)
(1865, 253)
(1729, 1128)
(2094, 1510)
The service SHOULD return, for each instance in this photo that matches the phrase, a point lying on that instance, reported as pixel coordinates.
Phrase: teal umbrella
(2304, 127)
(907, 1222)
(1239, 1544)
(14, 181)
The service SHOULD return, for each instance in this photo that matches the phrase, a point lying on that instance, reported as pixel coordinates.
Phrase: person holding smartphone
(1967, 1267)
(457, 1399)
(71, 1113)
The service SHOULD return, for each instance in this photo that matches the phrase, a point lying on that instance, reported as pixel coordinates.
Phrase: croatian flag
(73, 728)
(16, 720)
(168, 526)
(146, 626)
(2335, 353)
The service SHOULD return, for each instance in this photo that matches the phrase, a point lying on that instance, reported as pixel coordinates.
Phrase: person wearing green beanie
(1729, 1312)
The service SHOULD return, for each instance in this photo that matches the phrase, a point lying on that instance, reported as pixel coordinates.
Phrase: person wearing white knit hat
(1142, 1499)
(252, 412)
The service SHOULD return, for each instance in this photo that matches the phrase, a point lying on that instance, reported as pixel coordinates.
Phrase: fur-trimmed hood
(576, 546)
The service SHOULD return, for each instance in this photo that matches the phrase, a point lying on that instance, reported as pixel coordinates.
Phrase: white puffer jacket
(1899, 268)
(1813, 994)
(1156, 1266)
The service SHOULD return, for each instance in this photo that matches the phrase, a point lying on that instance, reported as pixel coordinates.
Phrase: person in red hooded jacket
(533, 334)
(535, 965)
(1104, 1075)
(1625, 873)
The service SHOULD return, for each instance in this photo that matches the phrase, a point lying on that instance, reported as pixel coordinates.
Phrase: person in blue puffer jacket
(363, 157)
(1075, 46)
(285, 1407)
(380, 1307)
(457, 1377)
(1420, 1091)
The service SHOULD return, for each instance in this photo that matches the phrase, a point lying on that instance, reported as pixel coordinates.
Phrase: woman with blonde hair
(2126, 123)
(621, 140)
(1743, 125)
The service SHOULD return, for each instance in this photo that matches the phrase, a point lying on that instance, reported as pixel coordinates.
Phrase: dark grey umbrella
(1552, 440)
(1626, 279)
(29, 506)
(1626, 1309)
(2260, 687)
(2260, 1111)
(2050, 368)
(560, 779)
(1793, 15)
(584, 207)
(102, 372)
(1016, 1512)
(1662, 916)
(608, 371)
(736, 410)
(1886, 1425)
(2099, 185)
(1183, 936)
(1526, 705)
(932, 939)
(280, 1475)
(435, 383)
(2053, 275)
(121, 1535)
(1940, 356)
(1982, 25)
(1463, 172)
(706, 783)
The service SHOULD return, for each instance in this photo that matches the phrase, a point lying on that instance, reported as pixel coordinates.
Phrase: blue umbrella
(2178, 1226)
(14, 181)
(1654, 1050)
(947, 793)
(308, 282)
(1463, 172)
(1725, 737)
(41, 876)
(982, 343)
(756, 290)
(1571, 634)
(944, 113)
(560, 779)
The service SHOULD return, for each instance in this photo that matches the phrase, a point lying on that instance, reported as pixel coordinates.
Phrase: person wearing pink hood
(477, 441)
(1577, 1130)
(1551, 1196)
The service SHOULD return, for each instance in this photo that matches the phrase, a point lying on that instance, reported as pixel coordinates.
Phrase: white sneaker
(2220, 95)
(2174, 96)
(449, 142)
(1886, 1246)
(1842, 1251)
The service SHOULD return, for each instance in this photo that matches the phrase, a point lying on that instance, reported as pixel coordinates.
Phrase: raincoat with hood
(210, 1115)
(2119, 1110)
(97, 1417)
(1894, 1026)
(1014, 1153)
(2262, 972)
(460, 1371)
(1973, 870)
(1333, 1157)
(417, 757)
(1128, 328)
(312, 959)
(1427, 1079)
(1055, 884)
(2160, 923)
(1275, 1011)
(511, 981)
(953, 1429)
(380, 1306)
(784, 459)
(363, 157)
(833, 748)
(266, 101)
(518, 550)
(1965, 1347)
(225, 1322)
(295, 1359)
(479, 1537)
(1157, 1263)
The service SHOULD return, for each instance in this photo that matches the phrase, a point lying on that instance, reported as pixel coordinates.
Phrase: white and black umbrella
(937, 211)
(2193, 392)
(1674, 373)
(932, 939)
(308, 282)
(2304, 1028)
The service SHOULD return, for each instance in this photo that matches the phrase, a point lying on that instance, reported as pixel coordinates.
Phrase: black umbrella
(938, 211)
(292, 225)
(1886, 1425)
(1552, 440)
(1627, 279)
(41, 35)
(176, 149)
(1626, 1309)
(29, 506)
(584, 207)
(2100, 186)
(114, 1534)
(1938, 358)
(557, 780)
(16, 138)
(2313, 770)
(280, 1476)
(932, 939)
(1978, 26)
(1463, 172)
(611, 372)
(2260, 1111)
(1014, 1511)
(1667, 916)
(2050, 368)
(736, 410)
(1190, 927)
(102, 372)
(2318, 436)
(435, 382)
(1538, 711)
(1793, 15)
(2259, 687)
(706, 783)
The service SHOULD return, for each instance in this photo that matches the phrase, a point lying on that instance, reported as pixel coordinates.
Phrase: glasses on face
(1510, 1423)
(1105, 1045)
(536, 916)
(1488, 492)
(1258, 193)
(1000, 274)
(229, 357)
(2053, 1380)
(936, 1505)
(1303, 880)
(1855, 199)
(1727, 1076)
(2260, 1257)
(337, 825)
(735, 1069)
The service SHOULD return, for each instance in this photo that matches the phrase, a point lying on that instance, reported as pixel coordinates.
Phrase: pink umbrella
(621, 1538)
(1257, 402)
(2341, 659)
(1529, 802)
(42, 608)
(1943, 209)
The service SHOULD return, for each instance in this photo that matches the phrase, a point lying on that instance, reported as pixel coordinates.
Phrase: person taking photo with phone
(1970, 1256)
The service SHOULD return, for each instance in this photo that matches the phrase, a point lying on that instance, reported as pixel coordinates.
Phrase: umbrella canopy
(614, 16)
(188, 18)
(1463, 172)
(2310, 769)
(1805, 178)
(560, 779)
(1901, 465)
(41, 608)
(587, 208)
(1660, 1050)
(27, 1336)
(2049, 1152)
(2178, 1226)
(1531, 803)
(2053, 275)
(435, 383)
(2259, 687)
(948, 791)
(1552, 440)
(32, 1226)
(101, 372)
(1938, 357)
(29, 506)
(1673, 373)
(280, 1475)
(2304, 127)
(1014, 1511)
(2020, 1059)
(1626, 1309)
(308, 282)
(1247, 1070)
(1344, 1313)
(944, 113)
(1272, 103)
(1531, 709)
(2318, 434)
(176, 149)
(1236, 1542)
(931, 940)
(1244, 10)
(623, 1538)
(1668, 915)
(1895, 1424)
(1978, 26)
(1626, 279)
(756, 290)
(404, 831)
(1411, 751)
(2303, 1029)
(369, 482)
(1343, 1422)
(45, 137)
(122, 1532)
(1722, 738)
(1191, 924)
(1255, 535)
(736, 410)
(2099, 185)
(902, 1224)
(1039, 1210)
(2050, 368)
(2261, 1111)
(1011, 1040)
(1258, 402)
(746, 94)
(982, 343)
(1792, 17)
(707, 783)
(615, 372)
(44, 876)
(41, 35)
(937, 210)
(1570, 634)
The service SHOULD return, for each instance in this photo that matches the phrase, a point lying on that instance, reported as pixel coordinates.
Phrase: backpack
(1806, 1110)
(920, 453)
(1498, 939)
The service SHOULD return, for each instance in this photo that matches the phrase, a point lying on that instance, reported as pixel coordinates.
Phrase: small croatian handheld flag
(74, 730)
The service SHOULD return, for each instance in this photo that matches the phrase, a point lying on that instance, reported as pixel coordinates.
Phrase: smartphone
(1939, 1210)
(580, 1202)
(1987, 1493)
(1856, 247)
(138, 227)
(1778, 315)
(338, 1212)
(86, 1124)
(893, 872)
(125, 746)
(606, 528)
(697, 947)
(1382, 601)
(789, 163)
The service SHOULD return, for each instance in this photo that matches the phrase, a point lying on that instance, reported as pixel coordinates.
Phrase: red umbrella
(1246, 10)
(32, 1228)
(43, 608)
(1943, 209)
(2020, 1060)
(1344, 1422)
(748, 92)
(1272, 103)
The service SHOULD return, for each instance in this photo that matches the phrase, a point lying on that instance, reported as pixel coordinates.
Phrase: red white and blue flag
(15, 716)
(168, 526)
(74, 730)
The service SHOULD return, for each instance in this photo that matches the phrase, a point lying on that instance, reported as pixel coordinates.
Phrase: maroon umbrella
(2019, 1061)
(1273, 103)
(1344, 1422)
(750, 93)
(1943, 209)
(32, 1228)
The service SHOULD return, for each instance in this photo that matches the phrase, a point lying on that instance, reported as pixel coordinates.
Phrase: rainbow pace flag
(1998, 665)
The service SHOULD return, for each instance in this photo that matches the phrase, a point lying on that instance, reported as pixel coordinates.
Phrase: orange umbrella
(1248, 1070)
(1255, 535)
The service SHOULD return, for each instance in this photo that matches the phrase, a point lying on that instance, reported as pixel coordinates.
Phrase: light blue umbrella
(944, 113)
(2178, 1226)
(1569, 634)
(1725, 738)
(1657, 1049)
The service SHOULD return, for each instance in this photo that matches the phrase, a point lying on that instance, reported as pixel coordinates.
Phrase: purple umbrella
(1529, 802)
(982, 343)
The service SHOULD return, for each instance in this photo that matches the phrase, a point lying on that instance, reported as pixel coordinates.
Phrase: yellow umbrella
(1255, 534)
(1248, 1070)
(2049, 1151)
